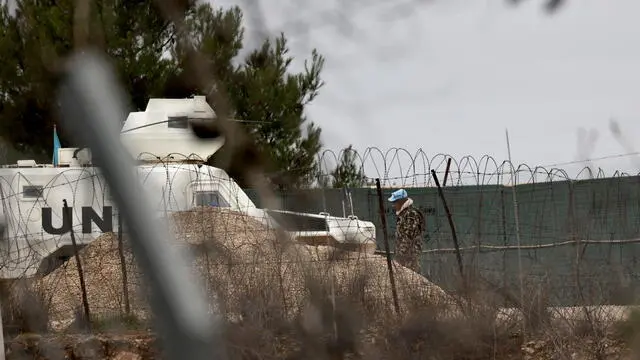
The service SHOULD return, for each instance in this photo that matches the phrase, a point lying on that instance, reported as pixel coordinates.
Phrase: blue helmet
(398, 195)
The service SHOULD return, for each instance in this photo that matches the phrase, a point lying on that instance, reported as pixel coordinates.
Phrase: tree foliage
(263, 90)
(273, 102)
(348, 173)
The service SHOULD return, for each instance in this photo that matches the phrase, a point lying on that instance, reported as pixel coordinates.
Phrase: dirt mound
(242, 260)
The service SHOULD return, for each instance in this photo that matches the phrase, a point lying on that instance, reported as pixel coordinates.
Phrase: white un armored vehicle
(37, 234)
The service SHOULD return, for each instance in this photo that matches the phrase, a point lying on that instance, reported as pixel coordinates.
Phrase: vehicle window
(32, 191)
(178, 122)
(210, 198)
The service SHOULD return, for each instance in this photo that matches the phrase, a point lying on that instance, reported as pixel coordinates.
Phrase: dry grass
(287, 300)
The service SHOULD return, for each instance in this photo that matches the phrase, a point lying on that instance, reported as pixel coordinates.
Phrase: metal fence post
(83, 286)
(385, 236)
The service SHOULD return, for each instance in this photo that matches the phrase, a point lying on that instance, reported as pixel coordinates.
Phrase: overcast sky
(450, 76)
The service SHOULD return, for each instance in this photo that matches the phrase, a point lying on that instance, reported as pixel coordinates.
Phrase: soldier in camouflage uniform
(409, 230)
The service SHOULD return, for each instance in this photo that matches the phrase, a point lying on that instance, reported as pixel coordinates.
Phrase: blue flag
(56, 146)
